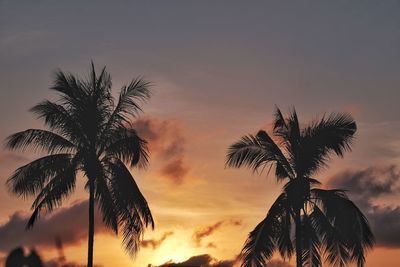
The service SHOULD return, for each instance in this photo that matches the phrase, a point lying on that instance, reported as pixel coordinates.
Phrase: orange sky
(206, 195)
(218, 69)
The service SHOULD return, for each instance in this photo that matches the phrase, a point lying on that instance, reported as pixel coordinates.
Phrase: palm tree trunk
(91, 223)
(299, 252)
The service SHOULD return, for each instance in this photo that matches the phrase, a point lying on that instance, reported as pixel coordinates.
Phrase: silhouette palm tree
(89, 133)
(312, 221)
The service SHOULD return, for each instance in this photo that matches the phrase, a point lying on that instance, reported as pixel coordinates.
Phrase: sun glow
(176, 248)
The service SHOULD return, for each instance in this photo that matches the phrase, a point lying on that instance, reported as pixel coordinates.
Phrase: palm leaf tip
(279, 120)
(244, 152)
(38, 140)
(32, 219)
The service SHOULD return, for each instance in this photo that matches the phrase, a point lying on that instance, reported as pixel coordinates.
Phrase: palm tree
(305, 219)
(89, 133)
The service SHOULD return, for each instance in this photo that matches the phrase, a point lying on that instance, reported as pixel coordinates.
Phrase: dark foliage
(316, 223)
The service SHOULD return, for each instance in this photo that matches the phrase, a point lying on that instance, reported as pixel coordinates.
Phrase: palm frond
(129, 102)
(85, 107)
(248, 151)
(103, 85)
(106, 203)
(100, 90)
(262, 241)
(288, 130)
(131, 206)
(280, 171)
(332, 243)
(256, 152)
(125, 144)
(311, 243)
(73, 91)
(280, 124)
(350, 225)
(291, 140)
(332, 134)
(284, 240)
(52, 195)
(59, 119)
(39, 140)
(293, 125)
(30, 178)
(282, 164)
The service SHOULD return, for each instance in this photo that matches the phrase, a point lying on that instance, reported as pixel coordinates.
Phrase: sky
(217, 69)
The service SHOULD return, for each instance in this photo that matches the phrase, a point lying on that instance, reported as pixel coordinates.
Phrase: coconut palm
(92, 134)
(309, 221)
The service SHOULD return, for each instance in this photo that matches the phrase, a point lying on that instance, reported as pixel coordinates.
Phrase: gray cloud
(385, 222)
(366, 187)
(21, 252)
(369, 183)
(69, 224)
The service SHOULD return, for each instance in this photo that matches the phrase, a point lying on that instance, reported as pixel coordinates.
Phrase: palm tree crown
(305, 219)
(89, 133)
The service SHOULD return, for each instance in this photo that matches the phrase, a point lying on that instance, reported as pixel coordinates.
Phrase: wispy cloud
(155, 243)
(206, 231)
(211, 245)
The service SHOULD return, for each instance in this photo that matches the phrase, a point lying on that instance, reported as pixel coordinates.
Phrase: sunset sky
(217, 68)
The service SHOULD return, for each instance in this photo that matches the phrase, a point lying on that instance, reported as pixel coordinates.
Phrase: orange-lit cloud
(166, 142)
(175, 170)
(211, 245)
(206, 231)
(204, 260)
